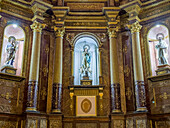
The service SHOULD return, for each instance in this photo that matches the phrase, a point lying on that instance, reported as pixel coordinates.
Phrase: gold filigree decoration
(86, 105)
(59, 31)
(43, 93)
(8, 124)
(127, 71)
(7, 96)
(37, 27)
(135, 27)
(164, 96)
(128, 93)
(45, 70)
(125, 49)
(102, 36)
(46, 49)
(113, 32)
(55, 124)
(119, 124)
(86, 24)
(69, 38)
(85, 6)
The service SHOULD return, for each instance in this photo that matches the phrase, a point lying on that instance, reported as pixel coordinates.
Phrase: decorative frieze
(85, 6)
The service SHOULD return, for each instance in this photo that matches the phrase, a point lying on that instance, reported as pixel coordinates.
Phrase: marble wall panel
(11, 96)
(128, 71)
(44, 70)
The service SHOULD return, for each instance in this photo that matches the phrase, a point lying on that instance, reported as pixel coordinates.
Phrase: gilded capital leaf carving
(112, 32)
(37, 27)
(135, 27)
(59, 31)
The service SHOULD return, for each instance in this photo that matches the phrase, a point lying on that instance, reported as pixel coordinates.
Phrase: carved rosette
(32, 95)
(37, 27)
(140, 96)
(116, 100)
(112, 33)
(56, 99)
(135, 27)
(59, 31)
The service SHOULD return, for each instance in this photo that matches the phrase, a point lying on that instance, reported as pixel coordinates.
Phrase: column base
(142, 109)
(116, 111)
(56, 111)
(32, 109)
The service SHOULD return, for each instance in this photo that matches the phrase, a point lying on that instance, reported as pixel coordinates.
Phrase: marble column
(114, 73)
(138, 68)
(34, 67)
(58, 62)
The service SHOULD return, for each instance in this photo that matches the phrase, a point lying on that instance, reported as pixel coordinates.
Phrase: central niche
(86, 60)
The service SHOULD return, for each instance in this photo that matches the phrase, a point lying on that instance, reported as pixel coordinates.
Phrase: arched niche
(152, 37)
(79, 42)
(13, 30)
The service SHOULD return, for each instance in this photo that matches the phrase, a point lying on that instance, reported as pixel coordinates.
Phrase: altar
(86, 100)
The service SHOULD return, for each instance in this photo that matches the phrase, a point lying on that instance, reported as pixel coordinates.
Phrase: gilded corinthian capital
(112, 32)
(37, 27)
(135, 27)
(59, 31)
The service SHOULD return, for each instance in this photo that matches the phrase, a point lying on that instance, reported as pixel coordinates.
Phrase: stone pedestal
(163, 69)
(9, 70)
(86, 82)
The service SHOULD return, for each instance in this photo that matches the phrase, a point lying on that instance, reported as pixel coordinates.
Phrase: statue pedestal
(163, 69)
(86, 81)
(9, 69)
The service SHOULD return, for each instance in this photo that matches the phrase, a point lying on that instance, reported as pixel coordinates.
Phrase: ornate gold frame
(86, 114)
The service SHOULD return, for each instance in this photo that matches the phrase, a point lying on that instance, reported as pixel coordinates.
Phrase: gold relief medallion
(86, 105)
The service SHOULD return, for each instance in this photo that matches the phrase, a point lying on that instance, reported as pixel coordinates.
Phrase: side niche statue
(11, 50)
(85, 68)
(161, 49)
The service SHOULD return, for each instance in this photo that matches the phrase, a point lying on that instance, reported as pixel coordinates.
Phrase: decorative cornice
(135, 27)
(37, 27)
(131, 3)
(59, 31)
